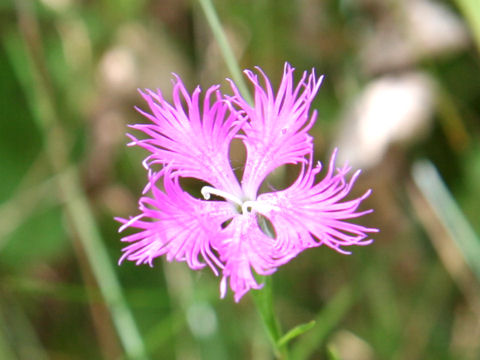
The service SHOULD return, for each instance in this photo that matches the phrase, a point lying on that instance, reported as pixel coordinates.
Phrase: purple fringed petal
(194, 143)
(318, 209)
(276, 132)
(245, 247)
(175, 224)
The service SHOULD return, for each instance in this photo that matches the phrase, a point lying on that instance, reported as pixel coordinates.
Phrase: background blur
(401, 100)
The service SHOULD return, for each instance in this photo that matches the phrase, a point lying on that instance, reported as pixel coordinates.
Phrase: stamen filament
(258, 206)
(246, 206)
(208, 190)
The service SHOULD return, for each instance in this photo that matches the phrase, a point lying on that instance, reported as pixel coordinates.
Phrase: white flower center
(246, 206)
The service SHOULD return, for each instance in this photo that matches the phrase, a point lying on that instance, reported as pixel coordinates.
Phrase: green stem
(225, 48)
(263, 300)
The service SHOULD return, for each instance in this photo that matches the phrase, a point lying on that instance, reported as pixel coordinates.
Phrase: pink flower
(191, 138)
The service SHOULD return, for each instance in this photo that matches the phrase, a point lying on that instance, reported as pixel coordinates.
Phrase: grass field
(400, 99)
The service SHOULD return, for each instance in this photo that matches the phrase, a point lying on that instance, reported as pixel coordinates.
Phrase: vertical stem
(263, 300)
(76, 205)
(226, 50)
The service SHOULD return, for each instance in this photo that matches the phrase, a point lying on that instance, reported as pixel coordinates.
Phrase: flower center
(246, 206)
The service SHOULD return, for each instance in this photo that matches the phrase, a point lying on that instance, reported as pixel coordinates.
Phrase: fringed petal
(276, 131)
(194, 142)
(320, 209)
(245, 247)
(174, 224)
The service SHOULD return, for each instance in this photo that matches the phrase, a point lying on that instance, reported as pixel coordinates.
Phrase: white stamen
(246, 205)
(208, 190)
(258, 206)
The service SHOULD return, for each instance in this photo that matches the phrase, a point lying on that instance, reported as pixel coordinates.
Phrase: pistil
(208, 190)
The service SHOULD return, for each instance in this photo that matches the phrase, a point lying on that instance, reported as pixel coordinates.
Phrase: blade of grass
(20, 333)
(448, 251)
(225, 48)
(21, 205)
(326, 320)
(76, 205)
(432, 187)
(296, 331)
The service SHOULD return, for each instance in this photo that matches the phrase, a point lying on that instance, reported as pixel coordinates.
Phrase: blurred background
(401, 100)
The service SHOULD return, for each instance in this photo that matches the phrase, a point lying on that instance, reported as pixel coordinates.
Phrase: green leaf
(329, 317)
(296, 331)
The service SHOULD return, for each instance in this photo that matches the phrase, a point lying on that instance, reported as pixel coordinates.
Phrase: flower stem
(263, 298)
(225, 48)
(264, 302)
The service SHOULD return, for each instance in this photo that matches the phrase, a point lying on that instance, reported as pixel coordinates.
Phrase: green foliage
(68, 77)
(293, 333)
